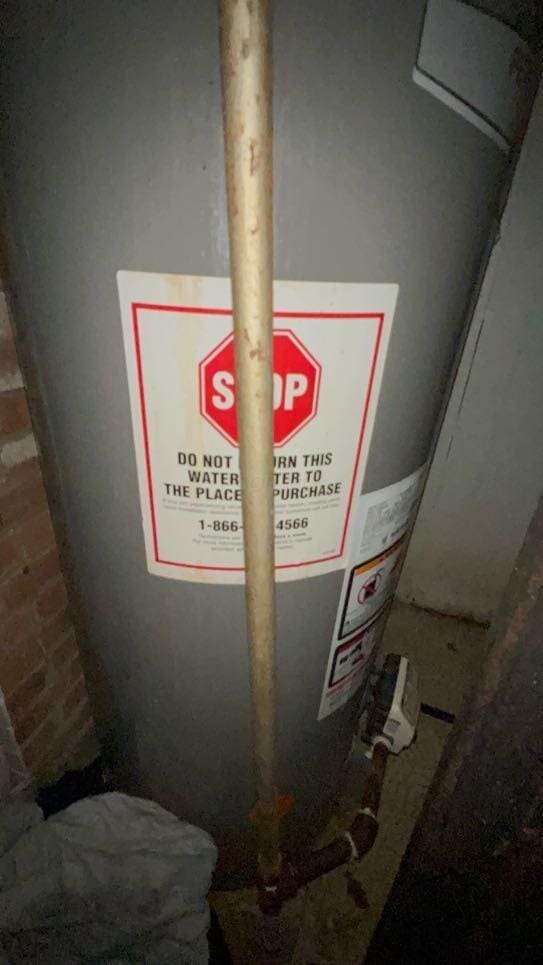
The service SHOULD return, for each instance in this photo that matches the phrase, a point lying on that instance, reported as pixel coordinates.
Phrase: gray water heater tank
(112, 159)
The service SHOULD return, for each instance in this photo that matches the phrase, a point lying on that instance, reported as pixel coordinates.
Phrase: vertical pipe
(247, 109)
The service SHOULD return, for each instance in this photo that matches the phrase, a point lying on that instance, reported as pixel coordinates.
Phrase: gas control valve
(394, 711)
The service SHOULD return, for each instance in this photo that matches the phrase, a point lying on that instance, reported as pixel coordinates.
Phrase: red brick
(73, 735)
(50, 749)
(65, 652)
(76, 696)
(27, 692)
(17, 663)
(17, 589)
(8, 357)
(14, 414)
(39, 744)
(45, 568)
(54, 632)
(9, 554)
(37, 534)
(40, 670)
(18, 626)
(41, 695)
(19, 504)
(79, 719)
(59, 683)
(21, 475)
(51, 763)
(52, 600)
(40, 578)
(66, 677)
(71, 672)
(31, 721)
(26, 708)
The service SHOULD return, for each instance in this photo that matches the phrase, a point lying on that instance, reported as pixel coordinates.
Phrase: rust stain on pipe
(354, 844)
(247, 110)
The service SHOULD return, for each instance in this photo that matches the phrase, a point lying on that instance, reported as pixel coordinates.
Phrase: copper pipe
(351, 845)
(247, 110)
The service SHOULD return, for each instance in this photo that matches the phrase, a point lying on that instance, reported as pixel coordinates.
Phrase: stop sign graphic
(296, 377)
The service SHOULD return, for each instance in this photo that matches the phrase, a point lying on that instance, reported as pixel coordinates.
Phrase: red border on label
(189, 310)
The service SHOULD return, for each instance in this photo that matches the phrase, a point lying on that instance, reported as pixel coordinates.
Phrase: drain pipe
(352, 845)
(247, 116)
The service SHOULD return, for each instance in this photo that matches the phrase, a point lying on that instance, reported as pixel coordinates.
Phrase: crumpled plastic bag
(111, 879)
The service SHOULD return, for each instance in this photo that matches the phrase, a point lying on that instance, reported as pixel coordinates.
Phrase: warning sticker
(351, 662)
(329, 348)
(368, 587)
(379, 540)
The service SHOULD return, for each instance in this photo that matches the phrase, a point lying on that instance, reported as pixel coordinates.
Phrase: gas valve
(394, 709)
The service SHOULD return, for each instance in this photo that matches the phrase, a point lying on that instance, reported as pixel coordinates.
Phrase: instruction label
(368, 588)
(329, 348)
(379, 541)
(350, 663)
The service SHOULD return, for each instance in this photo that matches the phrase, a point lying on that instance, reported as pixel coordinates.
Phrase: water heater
(390, 151)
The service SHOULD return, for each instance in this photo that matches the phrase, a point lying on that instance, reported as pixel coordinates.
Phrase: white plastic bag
(110, 879)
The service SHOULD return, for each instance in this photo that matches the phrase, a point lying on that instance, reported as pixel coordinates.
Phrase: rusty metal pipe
(247, 113)
(351, 845)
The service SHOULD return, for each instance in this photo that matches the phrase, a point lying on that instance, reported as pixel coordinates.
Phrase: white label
(385, 514)
(349, 664)
(379, 541)
(369, 588)
(330, 343)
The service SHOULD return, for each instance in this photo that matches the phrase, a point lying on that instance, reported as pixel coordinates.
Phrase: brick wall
(40, 670)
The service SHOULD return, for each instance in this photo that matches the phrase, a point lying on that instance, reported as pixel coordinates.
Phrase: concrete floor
(325, 924)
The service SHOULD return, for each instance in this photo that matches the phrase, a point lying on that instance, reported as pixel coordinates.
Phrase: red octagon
(296, 378)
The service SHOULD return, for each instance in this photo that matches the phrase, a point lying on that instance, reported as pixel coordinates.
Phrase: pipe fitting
(352, 845)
